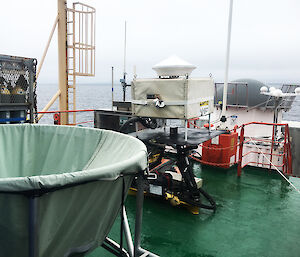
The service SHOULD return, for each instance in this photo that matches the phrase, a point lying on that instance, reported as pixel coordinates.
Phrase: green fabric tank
(61, 187)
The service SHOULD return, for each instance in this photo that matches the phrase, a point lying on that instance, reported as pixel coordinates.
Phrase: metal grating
(288, 101)
(17, 94)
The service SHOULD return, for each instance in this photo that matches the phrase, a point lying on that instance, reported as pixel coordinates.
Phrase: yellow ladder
(71, 66)
(80, 49)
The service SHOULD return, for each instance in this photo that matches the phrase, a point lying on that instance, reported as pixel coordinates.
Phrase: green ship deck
(257, 215)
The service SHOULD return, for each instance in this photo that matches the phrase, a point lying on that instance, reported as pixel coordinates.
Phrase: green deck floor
(257, 215)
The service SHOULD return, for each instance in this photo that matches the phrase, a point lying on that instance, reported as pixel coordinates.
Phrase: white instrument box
(172, 98)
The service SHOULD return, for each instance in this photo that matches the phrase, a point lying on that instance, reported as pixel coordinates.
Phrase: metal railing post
(139, 214)
(289, 154)
(285, 167)
(239, 170)
(272, 144)
(32, 223)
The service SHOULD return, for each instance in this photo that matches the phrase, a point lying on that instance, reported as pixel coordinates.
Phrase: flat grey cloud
(265, 36)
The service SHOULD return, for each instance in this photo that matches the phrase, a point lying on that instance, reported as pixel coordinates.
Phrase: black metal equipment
(164, 172)
(169, 174)
(17, 95)
(185, 189)
(193, 194)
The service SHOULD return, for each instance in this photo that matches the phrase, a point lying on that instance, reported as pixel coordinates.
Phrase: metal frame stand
(134, 250)
(32, 223)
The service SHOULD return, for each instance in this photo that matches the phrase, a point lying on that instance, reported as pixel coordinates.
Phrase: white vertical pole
(112, 88)
(125, 49)
(124, 73)
(128, 234)
(134, 71)
(186, 130)
(223, 117)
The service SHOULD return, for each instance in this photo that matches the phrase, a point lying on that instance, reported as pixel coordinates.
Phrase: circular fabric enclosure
(37, 157)
(61, 187)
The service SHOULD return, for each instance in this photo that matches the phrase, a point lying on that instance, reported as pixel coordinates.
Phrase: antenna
(125, 48)
(123, 81)
(134, 72)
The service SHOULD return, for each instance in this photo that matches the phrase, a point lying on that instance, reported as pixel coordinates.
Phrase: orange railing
(286, 155)
(57, 115)
(224, 164)
(286, 165)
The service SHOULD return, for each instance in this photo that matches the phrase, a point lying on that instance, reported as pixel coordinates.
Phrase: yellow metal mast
(62, 60)
(76, 54)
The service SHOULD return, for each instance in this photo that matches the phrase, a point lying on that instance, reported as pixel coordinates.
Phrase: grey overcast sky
(265, 36)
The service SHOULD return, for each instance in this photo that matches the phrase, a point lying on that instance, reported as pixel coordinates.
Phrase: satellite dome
(173, 67)
(241, 96)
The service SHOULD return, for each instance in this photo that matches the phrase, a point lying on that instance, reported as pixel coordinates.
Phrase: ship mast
(76, 54)
(123, 81)
(62, 59)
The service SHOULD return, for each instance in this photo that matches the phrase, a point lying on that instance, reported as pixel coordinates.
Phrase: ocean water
(98, 96)
(90, 96)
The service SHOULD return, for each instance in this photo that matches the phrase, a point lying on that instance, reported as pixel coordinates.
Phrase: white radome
(297, 91)
(173, 66)
(263, 89)
(271, 89)
(277, 92)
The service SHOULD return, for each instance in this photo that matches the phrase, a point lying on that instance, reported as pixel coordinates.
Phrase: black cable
(127, 123)
(146, 122)
(212, 202)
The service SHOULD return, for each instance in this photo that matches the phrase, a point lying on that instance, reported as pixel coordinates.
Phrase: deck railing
(285, 166)
(86, 119)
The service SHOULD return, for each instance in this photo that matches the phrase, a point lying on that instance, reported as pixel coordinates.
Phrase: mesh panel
(17, 94)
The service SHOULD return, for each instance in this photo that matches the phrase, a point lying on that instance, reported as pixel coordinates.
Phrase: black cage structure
(17, 94)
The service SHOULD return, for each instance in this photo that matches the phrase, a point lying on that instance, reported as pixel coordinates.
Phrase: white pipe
(227, 61)
(49, 104)
(128, 234)
(112, 88)
(46, 48)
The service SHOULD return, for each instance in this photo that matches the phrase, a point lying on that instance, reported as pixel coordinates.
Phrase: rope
(281, 174)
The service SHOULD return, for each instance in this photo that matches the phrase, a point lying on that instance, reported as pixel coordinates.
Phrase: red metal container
(220, 151)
